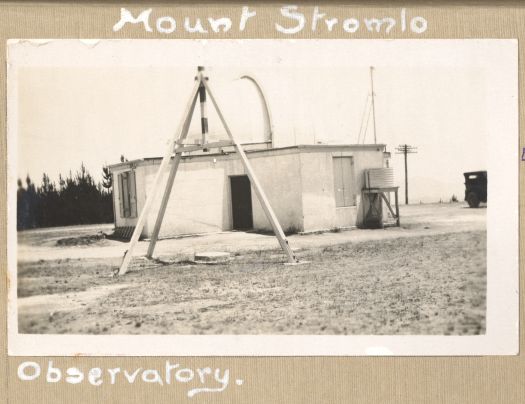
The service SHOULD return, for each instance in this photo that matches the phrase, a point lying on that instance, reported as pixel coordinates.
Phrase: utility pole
(406, 149)
(373, 102)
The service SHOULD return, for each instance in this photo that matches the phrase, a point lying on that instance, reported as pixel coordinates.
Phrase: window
(344, 184)
(127, 194)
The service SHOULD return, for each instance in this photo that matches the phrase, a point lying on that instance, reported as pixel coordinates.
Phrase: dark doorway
(241, 202)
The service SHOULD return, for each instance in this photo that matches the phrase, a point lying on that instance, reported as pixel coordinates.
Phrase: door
(241, 194)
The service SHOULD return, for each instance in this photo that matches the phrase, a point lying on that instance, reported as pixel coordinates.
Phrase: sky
(73, 103)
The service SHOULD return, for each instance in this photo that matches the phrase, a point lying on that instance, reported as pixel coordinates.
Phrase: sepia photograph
(262, 192)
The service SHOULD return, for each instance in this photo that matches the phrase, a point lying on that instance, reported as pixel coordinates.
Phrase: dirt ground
(427, 277)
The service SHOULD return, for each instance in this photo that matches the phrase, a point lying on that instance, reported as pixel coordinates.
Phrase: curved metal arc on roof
(267, 113)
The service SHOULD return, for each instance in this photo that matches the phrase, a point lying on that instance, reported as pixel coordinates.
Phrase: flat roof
(298, 148)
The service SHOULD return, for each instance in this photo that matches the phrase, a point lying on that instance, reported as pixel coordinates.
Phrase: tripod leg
(266, 206)
(163, 205)
(256, 186)
(163, 165)
(169, 184)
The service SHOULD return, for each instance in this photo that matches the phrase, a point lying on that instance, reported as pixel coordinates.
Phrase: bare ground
(417, 282)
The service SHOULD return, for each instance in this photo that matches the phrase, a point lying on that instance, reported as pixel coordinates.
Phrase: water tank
(379, 178)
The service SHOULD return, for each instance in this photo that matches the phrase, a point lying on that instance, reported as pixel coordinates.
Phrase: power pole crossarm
(405, 149)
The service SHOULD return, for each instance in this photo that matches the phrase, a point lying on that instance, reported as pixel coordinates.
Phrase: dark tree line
(77, 199)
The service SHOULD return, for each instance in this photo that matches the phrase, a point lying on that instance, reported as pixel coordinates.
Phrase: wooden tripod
(177, 147)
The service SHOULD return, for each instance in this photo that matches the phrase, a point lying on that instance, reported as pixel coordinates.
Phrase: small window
(344, 184)
(127, 194)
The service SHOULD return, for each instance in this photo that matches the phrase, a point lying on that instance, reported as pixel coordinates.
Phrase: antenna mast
(373, 103)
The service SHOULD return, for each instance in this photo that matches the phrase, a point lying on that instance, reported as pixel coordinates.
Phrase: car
(475, 188)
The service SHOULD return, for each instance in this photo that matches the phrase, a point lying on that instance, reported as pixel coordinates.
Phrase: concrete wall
(299, 184)
(280, 178)
(200, 199)
(346, 216)
(318, 194)
(196, 203)
(196, 200)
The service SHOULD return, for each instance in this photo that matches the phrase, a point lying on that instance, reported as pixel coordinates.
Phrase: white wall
(298, 183)
(200, 199)
(318, 194)
(196, 200)
(280, 178)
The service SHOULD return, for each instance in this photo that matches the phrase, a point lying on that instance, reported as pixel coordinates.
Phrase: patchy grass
(433, 284)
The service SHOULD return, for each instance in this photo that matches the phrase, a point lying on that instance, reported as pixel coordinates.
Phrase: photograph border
(450, 379)
(502, 336)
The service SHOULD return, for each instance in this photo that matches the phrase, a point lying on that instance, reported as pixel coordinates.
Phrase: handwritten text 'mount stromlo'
(293, 20)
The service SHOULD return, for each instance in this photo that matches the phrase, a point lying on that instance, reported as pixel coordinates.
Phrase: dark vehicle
(475, 188)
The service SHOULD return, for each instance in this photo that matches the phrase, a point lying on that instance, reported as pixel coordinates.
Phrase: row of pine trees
(77, 199)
